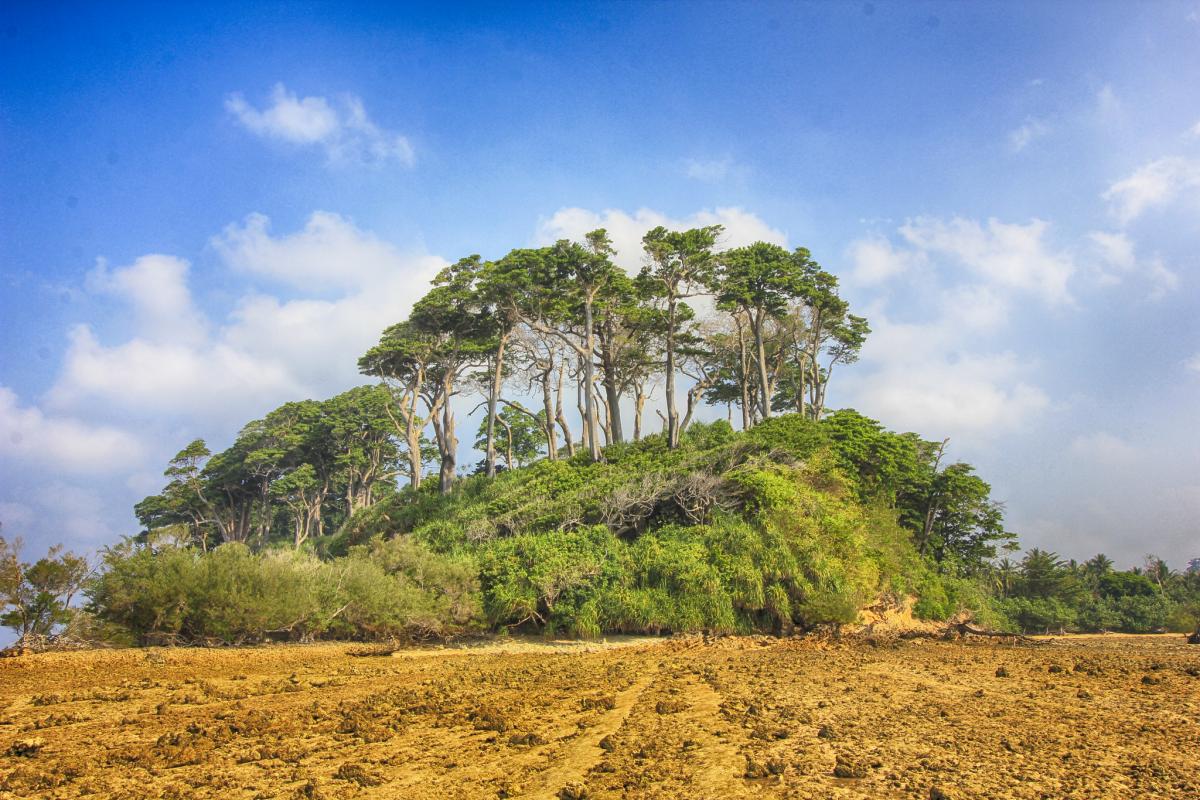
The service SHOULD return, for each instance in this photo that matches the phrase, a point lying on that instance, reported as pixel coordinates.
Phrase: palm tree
(1004, 576)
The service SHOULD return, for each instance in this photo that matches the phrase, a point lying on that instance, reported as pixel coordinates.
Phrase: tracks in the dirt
(584, 752)
(644, 720)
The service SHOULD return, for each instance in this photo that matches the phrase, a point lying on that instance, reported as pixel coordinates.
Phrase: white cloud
(1155, 184)
(1193, 363)
(62, 443)
(347, 135)
(1029, 130)
(270, 349)
(711, 171)
(1116, 259)
(626, 230)
(1008, 255)
(1103, 448)
(155, 286)
(143, 377)
(876, 260)
(913, 378)
(330, 251)
(1195, 129)
(943, 375)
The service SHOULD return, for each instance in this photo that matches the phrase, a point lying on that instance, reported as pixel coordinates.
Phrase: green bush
(232, 595)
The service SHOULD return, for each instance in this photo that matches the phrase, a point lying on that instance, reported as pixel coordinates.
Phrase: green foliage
(233, 595)
(1044, 593)
(35, 598)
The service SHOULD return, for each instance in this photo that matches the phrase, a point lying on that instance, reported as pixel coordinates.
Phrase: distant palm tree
(1158, 571)
(1004, 576)
(1098, 565)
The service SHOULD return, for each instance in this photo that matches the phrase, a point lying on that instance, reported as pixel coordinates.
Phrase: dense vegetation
(302, 527)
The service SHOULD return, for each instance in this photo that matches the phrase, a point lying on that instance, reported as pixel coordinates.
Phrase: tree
(760, 280)
(182, 501)
(36, 598)
(679, 265)
(402, 360)
(364, 445)
(447, 332)
(521, 434)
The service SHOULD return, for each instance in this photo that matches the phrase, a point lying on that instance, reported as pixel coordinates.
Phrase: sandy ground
(1101, 717)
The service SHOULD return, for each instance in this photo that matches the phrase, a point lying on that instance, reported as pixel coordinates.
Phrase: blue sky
(208, 210)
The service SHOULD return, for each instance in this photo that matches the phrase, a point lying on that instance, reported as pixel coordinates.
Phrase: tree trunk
(612, 392)
(558, 410)
(589, 379)
(672, 411)
(548, 407)
(744, 377)
(639, 406)
(493, 394)
(761, 353)
(450, 446)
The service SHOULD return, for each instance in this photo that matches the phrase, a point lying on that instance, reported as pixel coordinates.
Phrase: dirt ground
(1102, 717)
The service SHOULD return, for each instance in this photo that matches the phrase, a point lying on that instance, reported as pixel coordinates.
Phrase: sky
(207, 210)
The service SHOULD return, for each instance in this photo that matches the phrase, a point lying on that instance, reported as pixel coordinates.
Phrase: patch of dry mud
(1110, 717)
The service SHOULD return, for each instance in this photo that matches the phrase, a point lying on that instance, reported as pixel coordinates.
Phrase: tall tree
(760, 281)
(679, 265)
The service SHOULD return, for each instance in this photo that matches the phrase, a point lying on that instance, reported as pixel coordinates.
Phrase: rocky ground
(1102, 717)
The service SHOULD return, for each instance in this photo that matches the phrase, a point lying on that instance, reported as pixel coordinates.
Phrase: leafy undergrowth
(763, 531)
(732, 532)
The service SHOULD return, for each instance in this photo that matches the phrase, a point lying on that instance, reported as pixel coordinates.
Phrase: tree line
(562, 324)
(566, 320)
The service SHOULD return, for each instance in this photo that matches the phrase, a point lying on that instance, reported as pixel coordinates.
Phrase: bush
(231, 595)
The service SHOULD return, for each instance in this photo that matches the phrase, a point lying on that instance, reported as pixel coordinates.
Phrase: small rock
(670, 706)
(848, 769)
(1001, 672)
(26, 748)
(937, 794)
(1149, 680)
(826, 732)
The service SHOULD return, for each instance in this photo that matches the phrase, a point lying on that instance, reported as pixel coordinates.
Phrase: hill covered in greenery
(793, 523)
(318, 519)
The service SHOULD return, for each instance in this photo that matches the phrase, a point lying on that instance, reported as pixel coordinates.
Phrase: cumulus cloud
(270, 348)
(876, 260)
(142, 377)
(156, 290)
(1009, 255)
(62, 443)
(1116, 259)
(330, 251)
(1193, 363)
(1030, 130)
(1155, 184)
(344, 131)
(913, 378)
(626, 230)
(942, 374)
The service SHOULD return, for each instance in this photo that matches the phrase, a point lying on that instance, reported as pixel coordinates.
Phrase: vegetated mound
(732, 532)
(790, 525)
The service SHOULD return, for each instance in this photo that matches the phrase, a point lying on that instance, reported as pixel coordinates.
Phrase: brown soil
(1110, 717)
